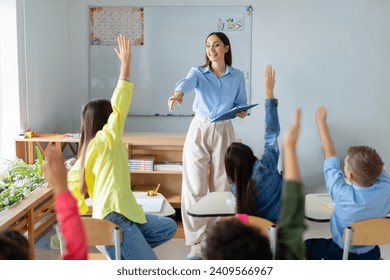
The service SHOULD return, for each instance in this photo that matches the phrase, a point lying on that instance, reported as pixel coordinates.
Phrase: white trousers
(203, 171)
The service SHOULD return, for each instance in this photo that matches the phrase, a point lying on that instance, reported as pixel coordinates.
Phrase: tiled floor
(175, 249)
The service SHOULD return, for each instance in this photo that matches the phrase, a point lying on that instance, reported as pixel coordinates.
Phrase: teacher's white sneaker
(195, 253)
(203, 244)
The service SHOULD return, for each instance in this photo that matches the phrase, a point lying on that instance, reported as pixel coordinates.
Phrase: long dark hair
(226, 42)
(239, 160)
(94, 116)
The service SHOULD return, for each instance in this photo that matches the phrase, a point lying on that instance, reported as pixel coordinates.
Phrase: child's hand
(124, 52)
(54, 171)
(269, 82)
(321, 115)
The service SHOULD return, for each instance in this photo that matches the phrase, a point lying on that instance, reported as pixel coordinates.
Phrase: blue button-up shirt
(354, 203)
(214, 96)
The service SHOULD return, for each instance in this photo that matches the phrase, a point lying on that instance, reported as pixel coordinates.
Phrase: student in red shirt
(68, 217)
(14, 246)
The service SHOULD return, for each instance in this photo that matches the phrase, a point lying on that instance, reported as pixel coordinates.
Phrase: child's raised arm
(54, 171)
(291, 170)
(124, 54)
(68, 217)
(291, 221)
(323, 130)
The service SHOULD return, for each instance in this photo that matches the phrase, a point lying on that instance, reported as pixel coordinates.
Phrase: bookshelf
(165, 146)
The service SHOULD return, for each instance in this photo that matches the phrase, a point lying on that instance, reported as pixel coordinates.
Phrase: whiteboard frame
(109, 64)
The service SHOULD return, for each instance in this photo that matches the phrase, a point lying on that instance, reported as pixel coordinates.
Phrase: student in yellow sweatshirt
(102, 173)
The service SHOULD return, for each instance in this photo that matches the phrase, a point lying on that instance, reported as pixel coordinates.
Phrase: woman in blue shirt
(218, 87)
(257, 183)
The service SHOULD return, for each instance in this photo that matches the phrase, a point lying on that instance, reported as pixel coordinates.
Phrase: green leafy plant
(40, 159)
(18, 180)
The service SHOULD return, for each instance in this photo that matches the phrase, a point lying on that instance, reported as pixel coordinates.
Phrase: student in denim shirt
(257, 183)
(235, 239)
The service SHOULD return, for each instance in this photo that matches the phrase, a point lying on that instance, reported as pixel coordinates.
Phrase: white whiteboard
(174, 42)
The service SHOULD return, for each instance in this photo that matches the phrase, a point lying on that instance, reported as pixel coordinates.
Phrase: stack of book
(142, 163)
(168, 166)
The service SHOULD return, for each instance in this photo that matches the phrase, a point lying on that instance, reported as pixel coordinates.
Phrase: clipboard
(231, 114)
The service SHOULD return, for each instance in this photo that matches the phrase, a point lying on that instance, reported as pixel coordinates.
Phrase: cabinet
(32, 216)
(165, 146)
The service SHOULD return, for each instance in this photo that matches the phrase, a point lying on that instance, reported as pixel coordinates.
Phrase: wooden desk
(25, 147)
(33, 215)
(213, 204)
(314, 209)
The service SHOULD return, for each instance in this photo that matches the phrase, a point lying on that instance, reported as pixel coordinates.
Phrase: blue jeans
(321, 248)
(139, 239)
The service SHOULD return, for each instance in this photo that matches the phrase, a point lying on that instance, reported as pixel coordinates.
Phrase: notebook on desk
(150, 204)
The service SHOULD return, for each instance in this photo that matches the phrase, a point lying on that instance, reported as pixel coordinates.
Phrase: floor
(175, 249)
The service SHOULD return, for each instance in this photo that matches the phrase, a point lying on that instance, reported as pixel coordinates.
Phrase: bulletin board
(169, 41)
(106, 23)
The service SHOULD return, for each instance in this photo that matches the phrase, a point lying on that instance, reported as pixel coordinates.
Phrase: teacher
(219, 87)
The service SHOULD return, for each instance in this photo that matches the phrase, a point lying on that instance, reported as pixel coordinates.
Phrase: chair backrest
(367, 232)
(101, 232)
(265, 226)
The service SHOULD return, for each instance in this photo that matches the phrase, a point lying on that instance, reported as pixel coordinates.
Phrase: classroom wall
(45, 72)
(9, 90)
(331, 53)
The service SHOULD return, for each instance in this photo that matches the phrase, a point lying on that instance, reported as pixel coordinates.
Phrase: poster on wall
(106, 23)
(231, 23)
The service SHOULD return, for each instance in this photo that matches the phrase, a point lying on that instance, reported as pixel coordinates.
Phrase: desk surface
(314, 207)
(135, 138)
(166, 209)
(219, 204)
(213, 204)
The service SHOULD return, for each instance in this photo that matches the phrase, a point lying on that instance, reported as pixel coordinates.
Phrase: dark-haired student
(102, 172)
(257, 183)
(14, 246)
(233, 239)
